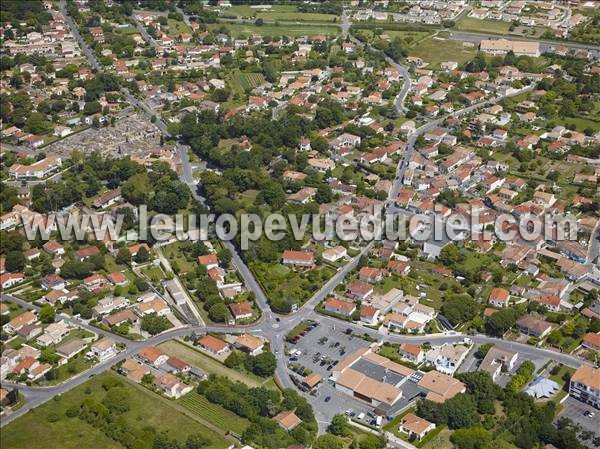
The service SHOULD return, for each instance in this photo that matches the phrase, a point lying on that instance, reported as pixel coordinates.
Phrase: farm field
(242, 82)
(280, 12)
(49, 423)
(214, 413)
(242, 29)
(484, 26)
(176, 27)
(437, 50)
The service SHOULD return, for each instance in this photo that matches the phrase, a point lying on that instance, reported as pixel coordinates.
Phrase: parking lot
(321, 349)
(576, 412)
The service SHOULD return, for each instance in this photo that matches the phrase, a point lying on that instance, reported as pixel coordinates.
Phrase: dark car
(328, 398)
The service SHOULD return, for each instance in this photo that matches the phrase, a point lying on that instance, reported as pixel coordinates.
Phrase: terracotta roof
(208, 259)
(588, 376)
(499, 294)
(298, 255)
(240, 308)
(212, 343)
(415, 424)
(150, 353)
(250, 342)
(441, 387)
(287, 419)
(341, 305)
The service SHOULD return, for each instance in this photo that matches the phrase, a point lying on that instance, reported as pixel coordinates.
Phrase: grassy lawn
(178, 261)
(212, 366)
(73, 433)
(440, 441)
(298, 329)
(154, 273)
(243, 29)
(214, 413)
(280, 12)
(74, 366)
(176, 27)
(438, 50)
(484, 26)
(279, 280)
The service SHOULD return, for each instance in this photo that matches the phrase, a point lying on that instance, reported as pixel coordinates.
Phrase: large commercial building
(503, 46)
(585, 385)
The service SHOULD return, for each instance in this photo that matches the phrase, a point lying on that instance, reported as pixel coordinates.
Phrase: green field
(282, 281)
(242, 82)
(245, 30)
(438, 50)
(279, 12)
(214, 413)
(146, 409)
(212, 366)
(484, 26)
(176, 28)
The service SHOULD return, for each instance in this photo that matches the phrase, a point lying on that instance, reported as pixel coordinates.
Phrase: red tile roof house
(53, 281)
(287, 419)
(209, 261)
(171, 386)
(550, 302)
(86, 252)
(369, 315)
(304, 259)
(213, 345)
(499, 297)
(7, 280)
(411, 352)
(360, 289)
(399, 267)
(369, 274)
(592, 341)
(241, 310)
(340, 307)
(133, 249)
(117, 278)
(152, 356)
(176, 365)
(54, 248)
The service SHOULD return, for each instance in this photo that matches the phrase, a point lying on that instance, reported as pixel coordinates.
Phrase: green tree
(219, 313)
(339, 425)
(47, 314)
(328, 441)
(154, 324)
(473, 438)
(142, 255)
(15, 261)
(123, 256)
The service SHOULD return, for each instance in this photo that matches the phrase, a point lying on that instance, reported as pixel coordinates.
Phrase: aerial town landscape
(479, 119)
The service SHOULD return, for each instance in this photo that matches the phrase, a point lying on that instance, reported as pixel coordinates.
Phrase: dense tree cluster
(259, 405)
(524, 424)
